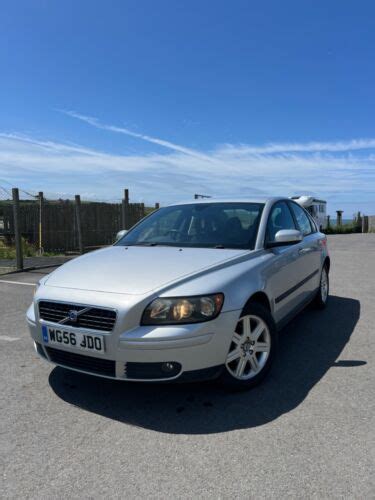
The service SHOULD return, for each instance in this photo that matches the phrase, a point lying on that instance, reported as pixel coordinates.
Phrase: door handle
(303, 251)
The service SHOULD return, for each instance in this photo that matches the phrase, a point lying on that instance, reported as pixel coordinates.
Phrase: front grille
(80, 362)
(92, 318)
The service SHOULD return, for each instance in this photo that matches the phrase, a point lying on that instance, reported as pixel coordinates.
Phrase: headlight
(177, 310)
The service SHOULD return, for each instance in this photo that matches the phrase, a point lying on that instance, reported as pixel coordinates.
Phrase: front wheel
(252, 348)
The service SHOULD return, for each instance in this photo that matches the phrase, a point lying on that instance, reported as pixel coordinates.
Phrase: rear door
(309, 251)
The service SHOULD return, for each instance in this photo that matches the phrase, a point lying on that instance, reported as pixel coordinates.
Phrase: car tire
(322, 295)
(252, 349)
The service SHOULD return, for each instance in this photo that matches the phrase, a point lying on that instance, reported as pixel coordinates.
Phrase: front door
(286, 270)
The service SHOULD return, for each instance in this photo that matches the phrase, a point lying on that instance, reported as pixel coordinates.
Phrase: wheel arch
(327, 263)
(259, 297)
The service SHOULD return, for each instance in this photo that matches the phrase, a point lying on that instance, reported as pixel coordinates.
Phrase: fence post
(157, 205)
(79, 224)
(17, 229)
(40, 199)
(365, 224)
(358, 222)
(125, 210)
(142, 210)
(339, 218)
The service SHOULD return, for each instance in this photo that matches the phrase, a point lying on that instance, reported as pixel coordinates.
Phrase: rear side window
(302, 219)
(280, 218)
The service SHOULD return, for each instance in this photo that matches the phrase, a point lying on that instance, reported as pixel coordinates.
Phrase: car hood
(138, 270)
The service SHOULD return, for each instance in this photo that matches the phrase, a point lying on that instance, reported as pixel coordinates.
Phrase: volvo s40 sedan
(194, 291)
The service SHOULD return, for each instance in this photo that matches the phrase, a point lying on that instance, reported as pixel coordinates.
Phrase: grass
(9, 252)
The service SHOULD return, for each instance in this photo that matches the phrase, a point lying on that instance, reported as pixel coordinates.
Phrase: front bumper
(196, 351)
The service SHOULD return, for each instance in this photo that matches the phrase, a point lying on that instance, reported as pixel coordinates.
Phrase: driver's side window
(279, 218)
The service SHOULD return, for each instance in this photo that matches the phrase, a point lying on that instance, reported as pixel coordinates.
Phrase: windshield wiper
(145, 244)
(220, 246)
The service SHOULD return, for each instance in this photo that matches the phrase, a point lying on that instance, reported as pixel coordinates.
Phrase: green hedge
(344, 229)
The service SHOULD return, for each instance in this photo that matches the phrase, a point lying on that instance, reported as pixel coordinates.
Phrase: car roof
(253, 199)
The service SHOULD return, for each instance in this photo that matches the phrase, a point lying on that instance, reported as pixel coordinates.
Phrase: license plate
(76, 340)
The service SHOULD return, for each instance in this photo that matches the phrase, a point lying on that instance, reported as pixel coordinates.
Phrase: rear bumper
(196, 352)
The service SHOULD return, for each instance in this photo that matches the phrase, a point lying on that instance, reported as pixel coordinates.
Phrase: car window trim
(269, 216)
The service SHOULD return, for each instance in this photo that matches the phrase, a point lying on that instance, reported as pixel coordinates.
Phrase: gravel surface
(306, 432)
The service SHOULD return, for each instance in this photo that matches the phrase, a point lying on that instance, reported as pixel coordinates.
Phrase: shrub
(344, 229)
(9, 252)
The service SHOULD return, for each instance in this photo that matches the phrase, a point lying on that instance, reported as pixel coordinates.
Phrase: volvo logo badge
(73, 316)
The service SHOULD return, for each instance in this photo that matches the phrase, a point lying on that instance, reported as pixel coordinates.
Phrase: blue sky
(171, 98)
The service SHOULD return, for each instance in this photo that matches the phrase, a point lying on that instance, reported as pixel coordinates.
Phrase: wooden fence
(368, 224)
(66, 225)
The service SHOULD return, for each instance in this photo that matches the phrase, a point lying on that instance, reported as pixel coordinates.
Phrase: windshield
(203, 225)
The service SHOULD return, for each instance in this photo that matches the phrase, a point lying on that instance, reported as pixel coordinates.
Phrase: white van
(316, 208)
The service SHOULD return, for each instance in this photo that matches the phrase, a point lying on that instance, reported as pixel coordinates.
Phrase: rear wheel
(252, 348)
(322, 294)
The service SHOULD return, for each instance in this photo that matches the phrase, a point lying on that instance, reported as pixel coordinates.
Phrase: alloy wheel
(249, 349)
(324, 285)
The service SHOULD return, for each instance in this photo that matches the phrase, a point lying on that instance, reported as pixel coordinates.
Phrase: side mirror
(120, 234)
(285, 237)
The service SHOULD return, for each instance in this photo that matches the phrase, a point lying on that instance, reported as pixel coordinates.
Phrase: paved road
(307, 432)
(8, 265)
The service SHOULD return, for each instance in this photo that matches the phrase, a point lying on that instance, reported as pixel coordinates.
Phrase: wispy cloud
(342, 172)
(48, 145)
(308, 147)
(239, 149)
(122, 130)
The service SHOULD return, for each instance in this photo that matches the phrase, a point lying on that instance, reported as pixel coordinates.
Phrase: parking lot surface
(307, 432)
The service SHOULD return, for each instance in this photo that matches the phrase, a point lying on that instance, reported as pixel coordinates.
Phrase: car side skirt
(294, 312)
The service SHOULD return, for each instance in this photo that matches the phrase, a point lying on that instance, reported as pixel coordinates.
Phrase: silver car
(194, 291)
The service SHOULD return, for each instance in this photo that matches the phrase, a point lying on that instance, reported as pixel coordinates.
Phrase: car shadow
(309, 347)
